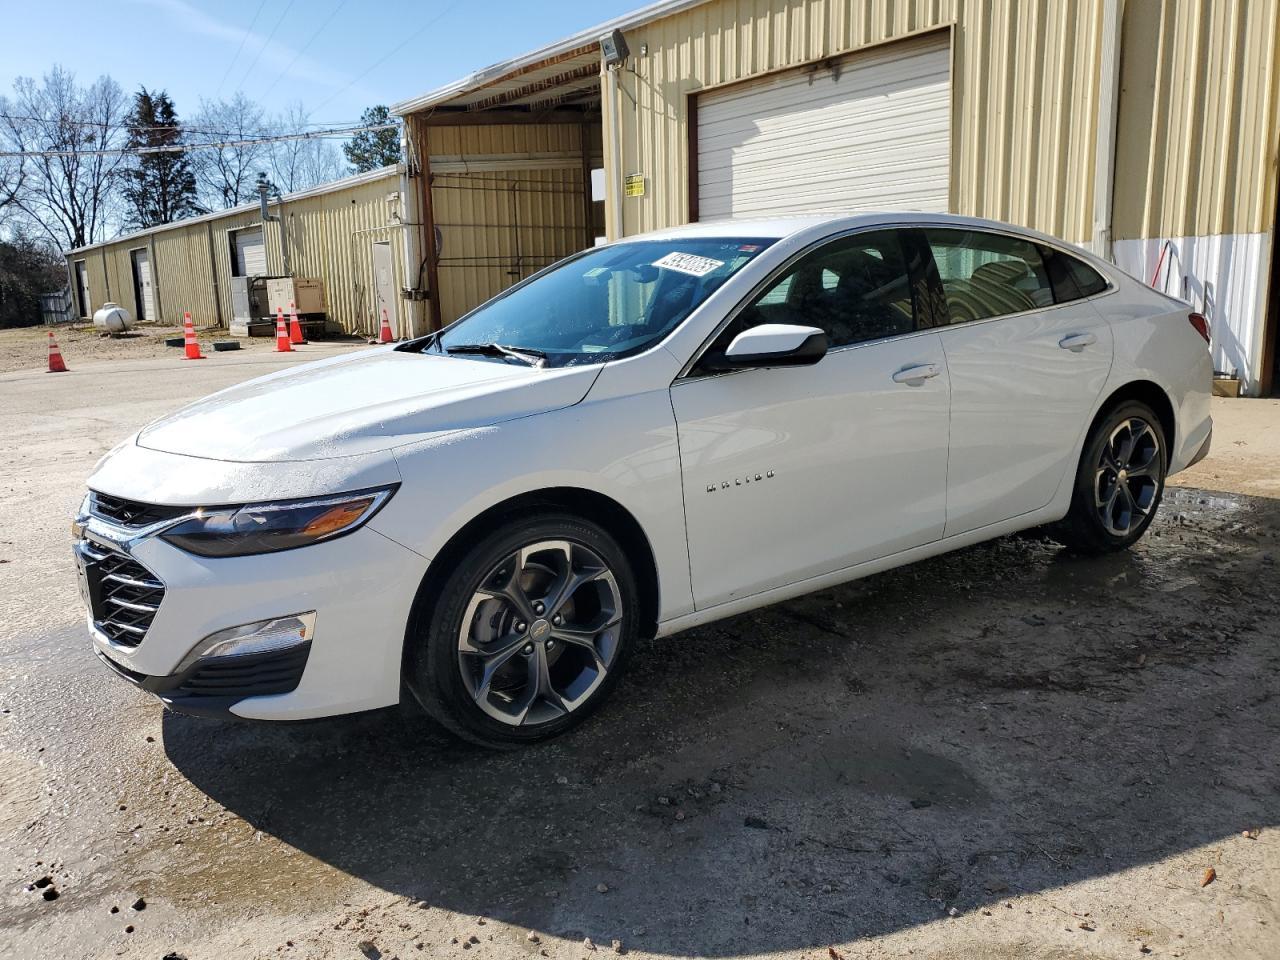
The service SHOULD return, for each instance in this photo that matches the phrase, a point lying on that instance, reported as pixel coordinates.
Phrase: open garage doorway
(509, 158)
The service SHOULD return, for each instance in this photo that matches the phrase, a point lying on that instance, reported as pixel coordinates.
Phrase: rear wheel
(528, 633)
(1119, 483)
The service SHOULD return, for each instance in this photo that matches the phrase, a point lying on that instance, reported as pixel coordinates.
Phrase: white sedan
(645, 437)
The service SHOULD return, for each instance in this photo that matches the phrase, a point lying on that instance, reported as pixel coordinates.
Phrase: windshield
(607, 303)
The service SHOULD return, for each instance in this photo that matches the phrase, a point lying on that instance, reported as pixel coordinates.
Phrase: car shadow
(1004, 720)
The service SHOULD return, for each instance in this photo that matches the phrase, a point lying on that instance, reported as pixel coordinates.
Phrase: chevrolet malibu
(645, 437)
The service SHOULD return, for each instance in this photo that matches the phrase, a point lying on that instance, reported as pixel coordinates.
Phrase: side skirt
(1049, 514)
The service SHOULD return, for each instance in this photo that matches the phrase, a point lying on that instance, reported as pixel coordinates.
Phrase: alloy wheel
(1127, 478)
(540, 633)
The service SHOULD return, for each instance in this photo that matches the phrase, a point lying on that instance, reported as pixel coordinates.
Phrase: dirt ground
(1007, 752)
(27, 348)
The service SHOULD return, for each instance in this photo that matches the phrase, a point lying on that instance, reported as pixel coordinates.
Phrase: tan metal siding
(1023, 101)
(330, 239)
(184, 275)
(1199, 118)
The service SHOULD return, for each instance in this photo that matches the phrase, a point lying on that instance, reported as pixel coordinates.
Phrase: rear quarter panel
(1155, 341)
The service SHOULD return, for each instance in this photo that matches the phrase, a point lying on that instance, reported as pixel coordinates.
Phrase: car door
(1026, 366)
(793, 472)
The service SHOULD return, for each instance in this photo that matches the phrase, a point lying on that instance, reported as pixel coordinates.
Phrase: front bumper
(213, 688)
(361, 587)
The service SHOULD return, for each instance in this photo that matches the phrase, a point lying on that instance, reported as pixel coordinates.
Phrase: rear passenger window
(855, 289)
(989, 274)
(1072, 279)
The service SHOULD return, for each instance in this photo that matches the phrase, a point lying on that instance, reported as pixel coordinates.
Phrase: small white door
(251, 254)
(1025, 372)
(871, 132)
(793, 472)
(145, 296)
(384, 285)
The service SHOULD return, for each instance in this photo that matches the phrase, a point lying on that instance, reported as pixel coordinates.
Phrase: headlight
(267, 527)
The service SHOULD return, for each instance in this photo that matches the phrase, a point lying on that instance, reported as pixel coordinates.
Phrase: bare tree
(299, 164)
(226, 176)
(13, 173)
(68, 189)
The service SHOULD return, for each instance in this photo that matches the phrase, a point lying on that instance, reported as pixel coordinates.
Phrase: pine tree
(158, 187)
(372, 149)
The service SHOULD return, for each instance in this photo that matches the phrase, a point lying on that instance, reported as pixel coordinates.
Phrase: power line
(338, 133)
(297, 56)
(180, 127)
(394, 50)
(248, 30)
(266, 43)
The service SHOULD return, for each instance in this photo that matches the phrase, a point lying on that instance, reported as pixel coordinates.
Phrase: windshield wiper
(534, 358)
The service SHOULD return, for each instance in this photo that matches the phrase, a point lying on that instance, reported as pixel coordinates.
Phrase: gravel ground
(1007, 752)
(27, 348)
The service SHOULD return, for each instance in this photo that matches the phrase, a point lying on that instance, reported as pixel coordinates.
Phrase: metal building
(348, 234)
(1147, 131)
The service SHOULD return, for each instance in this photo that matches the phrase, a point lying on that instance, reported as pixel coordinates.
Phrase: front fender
(623, 447)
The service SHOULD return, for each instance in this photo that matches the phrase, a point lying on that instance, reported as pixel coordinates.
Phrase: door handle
(1078, 341)
(914, 376)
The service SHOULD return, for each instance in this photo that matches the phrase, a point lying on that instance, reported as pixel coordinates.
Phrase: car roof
(813, 228)
(816, 225)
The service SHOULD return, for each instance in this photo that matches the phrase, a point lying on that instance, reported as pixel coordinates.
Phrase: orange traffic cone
(385, 335)
(282, 333)
(295, 328)
(55, 356)
(192, 345)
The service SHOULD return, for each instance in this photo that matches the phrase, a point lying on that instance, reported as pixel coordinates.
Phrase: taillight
(1201, 324)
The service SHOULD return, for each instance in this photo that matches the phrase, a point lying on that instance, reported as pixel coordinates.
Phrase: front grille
(131, 513)
(251, 675)
(123, 594)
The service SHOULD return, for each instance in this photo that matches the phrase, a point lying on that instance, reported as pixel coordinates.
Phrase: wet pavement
(1005, 752)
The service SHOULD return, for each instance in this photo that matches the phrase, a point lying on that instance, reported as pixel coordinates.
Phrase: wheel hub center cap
(1123, 475)
(539, 630)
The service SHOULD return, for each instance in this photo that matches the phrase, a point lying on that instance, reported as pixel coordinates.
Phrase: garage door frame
(823, 63)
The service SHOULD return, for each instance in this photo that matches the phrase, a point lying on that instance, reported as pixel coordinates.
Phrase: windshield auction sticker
(688, 263)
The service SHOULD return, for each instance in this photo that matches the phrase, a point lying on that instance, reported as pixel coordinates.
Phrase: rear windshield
(608, 303)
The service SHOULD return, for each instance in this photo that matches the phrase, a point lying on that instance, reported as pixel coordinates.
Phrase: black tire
(434, 667)
(1085, 528)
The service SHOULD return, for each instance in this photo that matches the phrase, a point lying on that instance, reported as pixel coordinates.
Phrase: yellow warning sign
(635, 185)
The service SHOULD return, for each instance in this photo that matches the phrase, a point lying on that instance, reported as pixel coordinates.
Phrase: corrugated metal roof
(581, 49)
(331, 187)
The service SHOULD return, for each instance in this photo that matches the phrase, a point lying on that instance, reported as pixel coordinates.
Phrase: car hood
(351, 405)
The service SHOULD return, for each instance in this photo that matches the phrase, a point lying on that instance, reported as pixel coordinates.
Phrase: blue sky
(319, 52)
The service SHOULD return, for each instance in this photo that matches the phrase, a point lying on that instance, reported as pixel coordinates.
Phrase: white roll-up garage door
(872, 133)
(251, 254)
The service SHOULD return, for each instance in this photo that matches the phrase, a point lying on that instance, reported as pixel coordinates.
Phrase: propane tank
(112, 318)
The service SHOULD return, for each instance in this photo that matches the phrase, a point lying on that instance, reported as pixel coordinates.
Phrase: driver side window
(854, 289)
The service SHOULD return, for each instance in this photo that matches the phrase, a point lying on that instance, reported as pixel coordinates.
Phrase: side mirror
(771, 345)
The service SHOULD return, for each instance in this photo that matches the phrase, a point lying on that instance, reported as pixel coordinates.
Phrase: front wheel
(527, 635)
(1119, 483)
